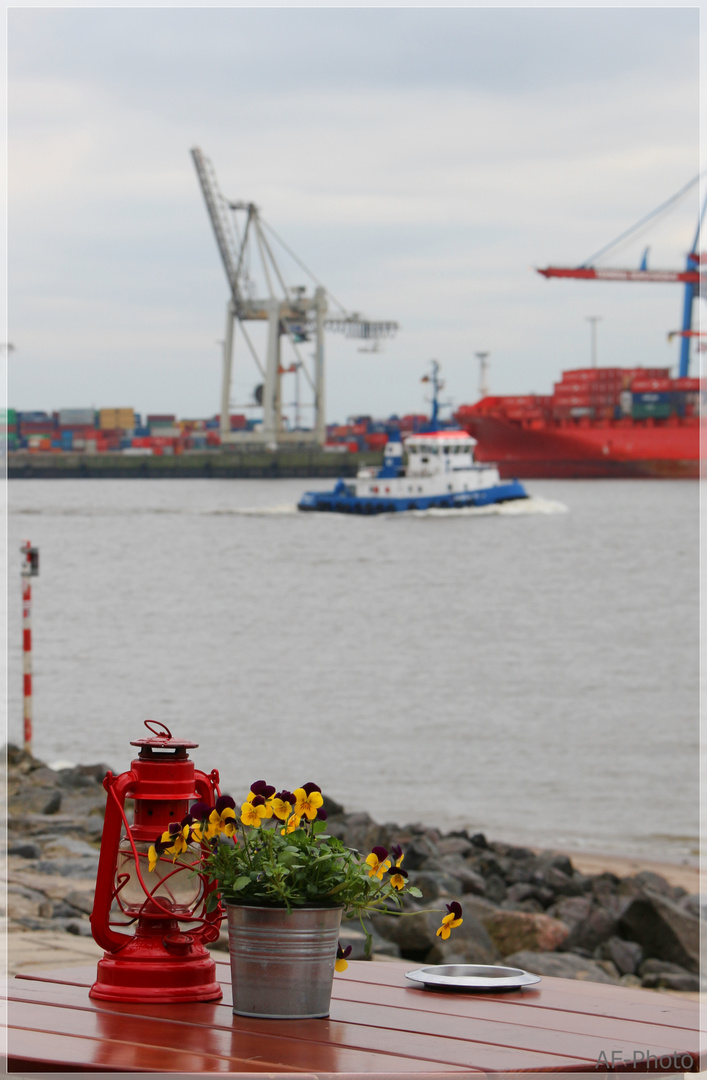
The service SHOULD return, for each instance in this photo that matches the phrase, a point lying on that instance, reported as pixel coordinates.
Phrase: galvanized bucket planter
(282, 966)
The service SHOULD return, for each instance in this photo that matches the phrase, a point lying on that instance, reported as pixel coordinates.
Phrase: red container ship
(599, 422)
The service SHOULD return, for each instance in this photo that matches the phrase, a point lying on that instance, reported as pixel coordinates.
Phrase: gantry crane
(690, 276)
(242, 237)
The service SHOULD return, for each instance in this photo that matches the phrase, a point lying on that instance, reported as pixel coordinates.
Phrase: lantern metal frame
(160, 962)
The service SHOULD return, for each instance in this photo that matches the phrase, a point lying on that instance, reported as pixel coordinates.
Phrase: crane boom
(215, 205)
(592, 273)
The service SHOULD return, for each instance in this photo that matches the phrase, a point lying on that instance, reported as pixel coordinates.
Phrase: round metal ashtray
(471, 977)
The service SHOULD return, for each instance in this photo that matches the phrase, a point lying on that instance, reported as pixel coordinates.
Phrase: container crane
(690, 276)
(243, 240)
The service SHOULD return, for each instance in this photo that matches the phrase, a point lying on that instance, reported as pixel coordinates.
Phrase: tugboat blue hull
(341, 501)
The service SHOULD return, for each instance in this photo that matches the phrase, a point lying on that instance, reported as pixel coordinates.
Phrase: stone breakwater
(528, 909)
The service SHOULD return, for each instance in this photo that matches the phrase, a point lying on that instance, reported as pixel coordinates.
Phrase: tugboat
(441, 473)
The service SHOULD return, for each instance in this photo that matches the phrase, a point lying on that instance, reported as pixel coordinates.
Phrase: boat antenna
(437, 385)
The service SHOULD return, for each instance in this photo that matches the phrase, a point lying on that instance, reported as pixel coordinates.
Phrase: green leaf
(412, 891)
(240, 883)
(212, 901)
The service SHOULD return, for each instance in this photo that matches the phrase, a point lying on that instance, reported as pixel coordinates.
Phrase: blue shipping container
(651, 399)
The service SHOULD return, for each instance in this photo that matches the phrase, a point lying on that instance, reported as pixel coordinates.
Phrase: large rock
(671, 981)
(664, 929)
(588, 933)
(514, 930)
(626, 955)
(571, 910)
(560, 966)
(455, 866)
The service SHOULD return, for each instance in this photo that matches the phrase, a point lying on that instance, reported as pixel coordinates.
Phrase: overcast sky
(421, 162)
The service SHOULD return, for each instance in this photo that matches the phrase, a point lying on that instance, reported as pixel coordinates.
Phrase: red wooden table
(380, 1024)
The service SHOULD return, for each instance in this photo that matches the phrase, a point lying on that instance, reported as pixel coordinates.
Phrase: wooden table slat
(624, 1002)
(578, 1047)
(379, 1024)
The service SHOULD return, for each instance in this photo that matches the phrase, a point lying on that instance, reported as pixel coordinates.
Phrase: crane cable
(644, 220)
(301, 265)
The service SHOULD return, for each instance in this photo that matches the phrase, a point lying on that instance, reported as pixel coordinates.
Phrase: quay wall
(222, 464)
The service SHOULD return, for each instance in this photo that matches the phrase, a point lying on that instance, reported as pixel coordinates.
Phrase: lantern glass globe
(172, 883)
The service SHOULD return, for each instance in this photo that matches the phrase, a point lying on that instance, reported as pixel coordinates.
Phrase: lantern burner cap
(162, 739)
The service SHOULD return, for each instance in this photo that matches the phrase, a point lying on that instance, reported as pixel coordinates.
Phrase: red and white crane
(691, 276)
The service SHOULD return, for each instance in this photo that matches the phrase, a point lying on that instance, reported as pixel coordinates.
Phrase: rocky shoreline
(528, 909)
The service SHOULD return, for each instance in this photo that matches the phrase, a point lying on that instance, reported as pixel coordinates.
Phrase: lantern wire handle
(148, 893)
(152, 724)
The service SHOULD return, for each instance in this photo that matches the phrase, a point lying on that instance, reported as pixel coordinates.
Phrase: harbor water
(528, 671)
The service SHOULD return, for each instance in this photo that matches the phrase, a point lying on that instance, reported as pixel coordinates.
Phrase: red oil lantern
(165, 958)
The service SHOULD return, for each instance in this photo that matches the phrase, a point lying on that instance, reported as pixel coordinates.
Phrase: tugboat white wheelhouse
(441, 472)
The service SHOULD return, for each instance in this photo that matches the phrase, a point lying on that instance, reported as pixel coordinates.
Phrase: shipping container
(166, 419)
(121, 418)
(38, 442)
(686, 384)
(164, 431)
(8, 420)
(375, 440)
(34, 417)
(658, 411)
(651, 398)
(26, 429)
(642, 385)
(77, 417)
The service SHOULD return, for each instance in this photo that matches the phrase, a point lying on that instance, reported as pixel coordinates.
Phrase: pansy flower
(378, 863)
(396, 876)
(452, 919)
(261, 789)
(293, 823)
(210, 821)
(341, 956)
(226, 810)
(173, 841)
(283, 804)
(397, 854)
(253, 811)
(308, 801)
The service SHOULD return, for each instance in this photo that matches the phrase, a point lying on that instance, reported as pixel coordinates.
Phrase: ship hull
(541, 450)
(339, 502)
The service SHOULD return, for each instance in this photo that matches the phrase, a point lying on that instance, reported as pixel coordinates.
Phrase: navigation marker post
(29, 569)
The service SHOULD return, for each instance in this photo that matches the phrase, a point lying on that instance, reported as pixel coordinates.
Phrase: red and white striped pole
(30, 569)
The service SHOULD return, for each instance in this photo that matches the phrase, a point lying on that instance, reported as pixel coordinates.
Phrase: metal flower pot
(282, 966)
